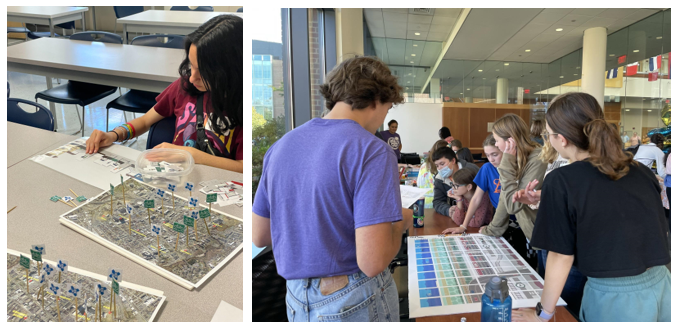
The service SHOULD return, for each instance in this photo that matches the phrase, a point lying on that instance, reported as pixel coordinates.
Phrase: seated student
(425, 178)
(488, 185)
(446, 164)
(465, 154)
(463, 191)
(211, 72)
(601, 213)
(456, 145)
(444, 133)
(652, 152)
(520, 165)
(335, 229)
(537, 128)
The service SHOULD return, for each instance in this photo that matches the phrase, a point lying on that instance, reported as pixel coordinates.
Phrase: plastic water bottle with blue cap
(496, 304)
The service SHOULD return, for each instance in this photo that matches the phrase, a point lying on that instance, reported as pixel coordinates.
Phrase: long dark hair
(219, 45)
(579, 118)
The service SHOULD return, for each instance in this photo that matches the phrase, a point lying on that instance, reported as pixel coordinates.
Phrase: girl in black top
(603, 214)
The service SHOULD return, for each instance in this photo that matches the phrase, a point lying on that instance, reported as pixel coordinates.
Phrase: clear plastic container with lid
(160, 167)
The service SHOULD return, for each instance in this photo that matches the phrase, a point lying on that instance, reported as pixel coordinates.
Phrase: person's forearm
(556, 272)
(473, 205)
(218, 162)
(397, 229)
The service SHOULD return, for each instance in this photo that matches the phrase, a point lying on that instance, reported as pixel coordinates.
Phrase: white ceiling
(402, 23)
(507, 33)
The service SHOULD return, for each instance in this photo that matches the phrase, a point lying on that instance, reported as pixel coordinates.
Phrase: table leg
(51, 28)
(94, 18)
(52, 107)
(83, 14)
(124, 33)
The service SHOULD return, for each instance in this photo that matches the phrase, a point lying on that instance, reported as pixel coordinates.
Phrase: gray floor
(25, 86)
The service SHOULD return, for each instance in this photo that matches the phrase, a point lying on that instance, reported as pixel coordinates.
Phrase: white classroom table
(46, 15)
(167, 22)
(135, 67)
(36, 141)
(36, 221)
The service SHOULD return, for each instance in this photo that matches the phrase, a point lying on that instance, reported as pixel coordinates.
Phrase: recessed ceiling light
(411, 62)
(407, 88)
(480, 70)
(461, 93)
(408, 81)
(413, 55)
(627, 110)
(635, 50)
(497, 70)
(650, 110)
(410, 74)
(575, 74)
(414, 76)
(658, 38)
(417, 33)
(561, 77)
(468, 89)
(506, 64)
(612, 55)
(527, 50)
(577, 67)
(484, 78)
(559, 30)
(414, 45)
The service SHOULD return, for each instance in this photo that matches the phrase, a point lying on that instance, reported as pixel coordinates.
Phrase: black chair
(268, 290)
(186, 8)
(124, 11)
(239, 10)
(82, 93)
(138, 101)
(160, 132)
(41, 118)
(20, 29)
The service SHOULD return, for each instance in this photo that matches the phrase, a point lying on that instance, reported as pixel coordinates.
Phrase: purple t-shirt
(394, 141)
(320, 182)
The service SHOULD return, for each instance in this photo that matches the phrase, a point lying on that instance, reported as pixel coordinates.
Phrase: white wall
(418, 125)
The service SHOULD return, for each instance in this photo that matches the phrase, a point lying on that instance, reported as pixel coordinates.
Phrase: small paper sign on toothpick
(36, 255)
(114, 275)
(193, 202)
(39, 248)
(67, 198)
(160, 193)
(194, 214)
(73, 290)
(111, 188)
(81, 199)
(62, 265)
(101, 289)
(171, 187)
(149, 204)
(25, 262)
(115, 287)
(55, 198)
(211, 198)
(55, 288)
(188, 221)
(178, 227)
(48, 269)
(189, 186)
(128, 209)
(155, 229)
(204, 213)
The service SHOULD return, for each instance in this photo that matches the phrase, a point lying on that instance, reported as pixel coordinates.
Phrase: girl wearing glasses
(601, 213)
(520, 165)
(463, 189)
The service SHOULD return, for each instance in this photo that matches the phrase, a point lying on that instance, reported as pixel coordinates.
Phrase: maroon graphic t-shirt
(175, 101)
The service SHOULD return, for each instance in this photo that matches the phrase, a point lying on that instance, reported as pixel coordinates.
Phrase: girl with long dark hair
(207, 99)
(603, 214)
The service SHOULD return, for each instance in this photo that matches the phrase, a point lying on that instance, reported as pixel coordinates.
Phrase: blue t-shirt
(488, 179)
(320, 182)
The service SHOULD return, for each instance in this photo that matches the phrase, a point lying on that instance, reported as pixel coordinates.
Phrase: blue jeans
(574, 287)
(363, 299)
(646, 297)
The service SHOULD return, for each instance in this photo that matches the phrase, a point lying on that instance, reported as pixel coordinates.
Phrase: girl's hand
(451, 211)
(99, 139)
(453, 230)
(510, 147)
(450, 194)
(173, 157)
(526, 315)
(528, 195)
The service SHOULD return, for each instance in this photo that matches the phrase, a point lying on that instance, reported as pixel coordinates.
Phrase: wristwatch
(541, 313)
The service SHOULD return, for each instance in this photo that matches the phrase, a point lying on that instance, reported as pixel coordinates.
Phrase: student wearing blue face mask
(447, 164)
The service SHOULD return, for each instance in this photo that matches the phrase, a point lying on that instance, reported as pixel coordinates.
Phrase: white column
(502, 91)
(349, 30)
(519, 95)
(435, 88)
(594, 63)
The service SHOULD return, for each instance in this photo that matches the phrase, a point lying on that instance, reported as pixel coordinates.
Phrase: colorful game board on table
(447, 275)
